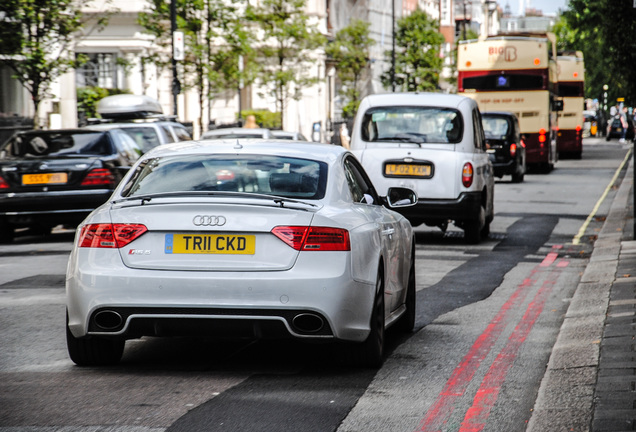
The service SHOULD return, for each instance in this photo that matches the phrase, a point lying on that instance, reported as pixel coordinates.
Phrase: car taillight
(3, 184)
(542, 136)
(467, 174)
(109, 235)
(314, 238)
(99, 176)
(513, 149)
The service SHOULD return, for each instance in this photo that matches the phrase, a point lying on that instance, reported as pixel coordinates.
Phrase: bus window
(504, 82)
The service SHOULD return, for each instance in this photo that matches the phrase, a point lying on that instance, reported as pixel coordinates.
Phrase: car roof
(223, 131)
(121, 125)
(305, 150)
(58, 131)
(443, 100)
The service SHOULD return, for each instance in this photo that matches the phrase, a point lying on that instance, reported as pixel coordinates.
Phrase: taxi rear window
(412, 124)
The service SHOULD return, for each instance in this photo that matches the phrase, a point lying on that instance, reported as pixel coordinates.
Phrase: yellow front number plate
(407, 170)
(50, 178)
(229, 244)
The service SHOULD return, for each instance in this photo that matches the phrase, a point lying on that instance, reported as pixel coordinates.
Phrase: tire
(473, 228)
(407, 321)
(6, 232)
(370, 353)
(517, 177)
(93, 351)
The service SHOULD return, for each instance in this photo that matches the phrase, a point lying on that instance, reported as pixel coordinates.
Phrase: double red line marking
(477, 415)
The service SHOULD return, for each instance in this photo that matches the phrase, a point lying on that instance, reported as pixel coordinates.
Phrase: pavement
(590, 381)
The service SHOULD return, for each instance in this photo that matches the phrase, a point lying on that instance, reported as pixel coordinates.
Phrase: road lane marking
(577, 238)
(477, 415)
(442, 409)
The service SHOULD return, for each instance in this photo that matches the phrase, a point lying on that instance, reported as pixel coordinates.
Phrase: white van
(433, 144)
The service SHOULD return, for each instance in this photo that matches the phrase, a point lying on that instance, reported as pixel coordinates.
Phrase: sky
(547, 6)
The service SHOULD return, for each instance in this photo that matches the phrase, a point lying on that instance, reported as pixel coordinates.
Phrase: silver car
(250, 239)
(243, 133)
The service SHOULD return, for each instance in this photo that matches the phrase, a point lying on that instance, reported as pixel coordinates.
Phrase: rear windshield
(271, 175)
(146, 137)
(56, 144)
(413, 124)
(496, 127)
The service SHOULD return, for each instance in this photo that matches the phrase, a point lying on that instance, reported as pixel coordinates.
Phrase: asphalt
(590, 381)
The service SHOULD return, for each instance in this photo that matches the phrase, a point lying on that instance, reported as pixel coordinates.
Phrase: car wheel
(6, 233)
(517, 177)
(407, 321)
(370, 353)
(473, 228)
(93, 351)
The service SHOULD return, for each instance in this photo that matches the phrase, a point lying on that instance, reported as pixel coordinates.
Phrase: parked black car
(53, 177)
(616, 129)
(505, 147)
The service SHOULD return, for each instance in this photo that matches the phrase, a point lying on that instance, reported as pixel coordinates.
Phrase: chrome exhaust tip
(308, 323)
(108, 320)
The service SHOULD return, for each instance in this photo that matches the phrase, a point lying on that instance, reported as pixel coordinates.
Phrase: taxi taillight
(305, 238)
(513, 149)
(109, 235)
(467, 174)
(3, 184)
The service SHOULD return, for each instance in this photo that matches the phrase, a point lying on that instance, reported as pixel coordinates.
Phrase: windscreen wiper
(410, 137)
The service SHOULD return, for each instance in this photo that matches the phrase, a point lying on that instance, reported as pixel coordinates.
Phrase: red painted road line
(442, 408)
(464, 372)
(477, 415)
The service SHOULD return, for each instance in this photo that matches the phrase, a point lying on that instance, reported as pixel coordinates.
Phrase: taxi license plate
(50, 178)
(228, 244)
(407, 170)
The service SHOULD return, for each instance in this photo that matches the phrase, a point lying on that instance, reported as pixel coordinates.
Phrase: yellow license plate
(50, 178)
(410, 170)
(229, 244)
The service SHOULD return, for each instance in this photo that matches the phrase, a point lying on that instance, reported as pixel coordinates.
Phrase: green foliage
(418, 64)
(349, 51)
(36, 36)
(215, 39)
(88, 97)
(285, 48)
(604, 30)
(265, 118)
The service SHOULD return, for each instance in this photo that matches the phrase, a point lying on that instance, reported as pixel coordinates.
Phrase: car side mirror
(400, 197)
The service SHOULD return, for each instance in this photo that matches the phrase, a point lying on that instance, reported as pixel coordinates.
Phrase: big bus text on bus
(516, 74)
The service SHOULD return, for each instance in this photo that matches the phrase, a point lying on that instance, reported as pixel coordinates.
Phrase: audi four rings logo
(209, 220)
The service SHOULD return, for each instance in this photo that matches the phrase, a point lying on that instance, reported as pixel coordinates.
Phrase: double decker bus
(571, 74)
(516, 73)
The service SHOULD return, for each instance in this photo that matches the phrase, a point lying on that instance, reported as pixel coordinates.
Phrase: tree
(418, 64)
(350, 53)
(603, 30)
(37, 37)
(469, 34)
(214, 41)
(286, 49)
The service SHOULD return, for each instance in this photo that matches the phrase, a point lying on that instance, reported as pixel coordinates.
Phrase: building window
(99, 71)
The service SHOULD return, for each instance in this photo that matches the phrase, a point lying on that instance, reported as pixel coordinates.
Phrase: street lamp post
(393, 45)
(176, 85)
